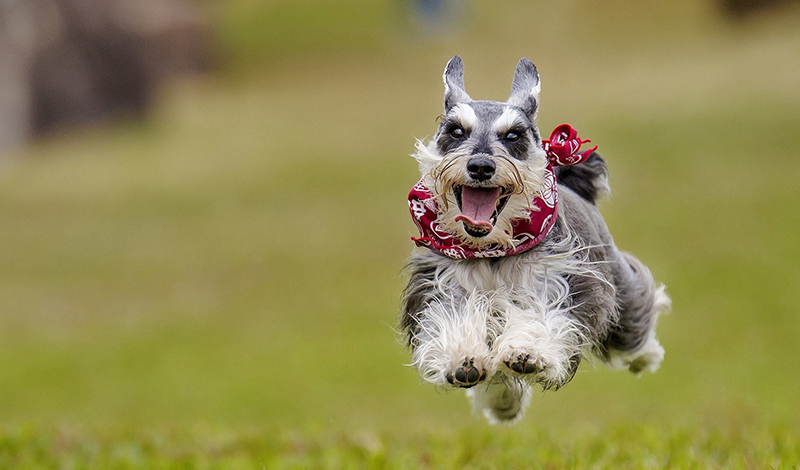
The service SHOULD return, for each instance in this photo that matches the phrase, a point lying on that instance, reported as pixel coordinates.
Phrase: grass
(634, 446)
(217, 287)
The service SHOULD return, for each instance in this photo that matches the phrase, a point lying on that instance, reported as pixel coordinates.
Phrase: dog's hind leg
(632, 343)
(502, 399)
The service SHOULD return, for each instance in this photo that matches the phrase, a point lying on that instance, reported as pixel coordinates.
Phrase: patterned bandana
(562, 149)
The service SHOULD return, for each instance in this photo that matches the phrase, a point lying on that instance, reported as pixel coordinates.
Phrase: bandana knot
(563, 145)
(562, 149)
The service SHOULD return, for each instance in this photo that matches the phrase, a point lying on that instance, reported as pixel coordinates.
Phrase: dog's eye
(511, 136)
(457, 133)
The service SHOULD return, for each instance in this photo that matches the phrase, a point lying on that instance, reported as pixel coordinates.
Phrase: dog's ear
(454, 84)
(525, 88)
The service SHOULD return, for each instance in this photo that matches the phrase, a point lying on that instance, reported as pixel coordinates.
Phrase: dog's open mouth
(480, 207)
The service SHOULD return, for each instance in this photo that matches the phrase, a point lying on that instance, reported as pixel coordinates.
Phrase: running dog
(516, 277)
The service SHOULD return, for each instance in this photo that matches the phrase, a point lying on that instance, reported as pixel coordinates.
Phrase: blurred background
(203, 221)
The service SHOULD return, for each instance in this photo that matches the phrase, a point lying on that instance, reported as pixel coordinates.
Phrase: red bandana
(562, 149)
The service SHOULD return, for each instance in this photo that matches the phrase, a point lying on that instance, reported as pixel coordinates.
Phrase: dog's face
(485, 164)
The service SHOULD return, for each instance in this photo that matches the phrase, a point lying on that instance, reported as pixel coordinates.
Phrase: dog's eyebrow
(510, 118)
(464, 114)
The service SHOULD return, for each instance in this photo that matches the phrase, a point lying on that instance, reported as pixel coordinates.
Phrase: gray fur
(454, 84)
(636, 302)
(420, 291)
(589, 179)
(524, 88)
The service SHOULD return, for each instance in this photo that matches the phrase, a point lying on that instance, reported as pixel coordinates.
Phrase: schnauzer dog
(517, 278)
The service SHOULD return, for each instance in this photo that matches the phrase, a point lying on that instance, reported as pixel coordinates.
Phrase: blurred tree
(68, 62)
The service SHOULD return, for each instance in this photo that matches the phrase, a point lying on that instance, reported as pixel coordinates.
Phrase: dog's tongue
(478, 205)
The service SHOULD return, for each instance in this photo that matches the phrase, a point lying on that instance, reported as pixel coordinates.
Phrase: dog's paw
(561, 374)
(524, 363)
(546, 370)
(647, 358)
(467, 375)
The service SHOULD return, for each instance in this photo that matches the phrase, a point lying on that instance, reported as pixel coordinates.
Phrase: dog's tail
(589, 179)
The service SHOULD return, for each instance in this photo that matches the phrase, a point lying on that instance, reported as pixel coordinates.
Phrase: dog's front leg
(539, 344)
(450, 340)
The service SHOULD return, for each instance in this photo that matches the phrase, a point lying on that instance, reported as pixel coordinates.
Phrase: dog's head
(485, 164)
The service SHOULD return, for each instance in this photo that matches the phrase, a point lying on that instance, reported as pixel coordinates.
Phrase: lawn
(218, 286)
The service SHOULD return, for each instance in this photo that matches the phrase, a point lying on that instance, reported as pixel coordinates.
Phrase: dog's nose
(480, 168)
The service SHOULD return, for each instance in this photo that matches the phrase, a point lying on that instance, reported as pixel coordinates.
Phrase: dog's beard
(481, 214)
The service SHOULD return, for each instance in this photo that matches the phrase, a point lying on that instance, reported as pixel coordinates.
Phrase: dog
(517, 278)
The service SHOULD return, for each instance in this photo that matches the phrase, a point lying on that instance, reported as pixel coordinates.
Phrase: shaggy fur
(498, 326)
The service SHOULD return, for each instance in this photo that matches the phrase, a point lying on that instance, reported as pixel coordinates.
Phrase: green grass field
(218, 287)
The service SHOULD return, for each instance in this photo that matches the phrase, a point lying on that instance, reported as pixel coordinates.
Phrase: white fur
(451, 331)
(465, 115)
(536, 90)
(427, 157)
(507, 120)
(518, 306)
